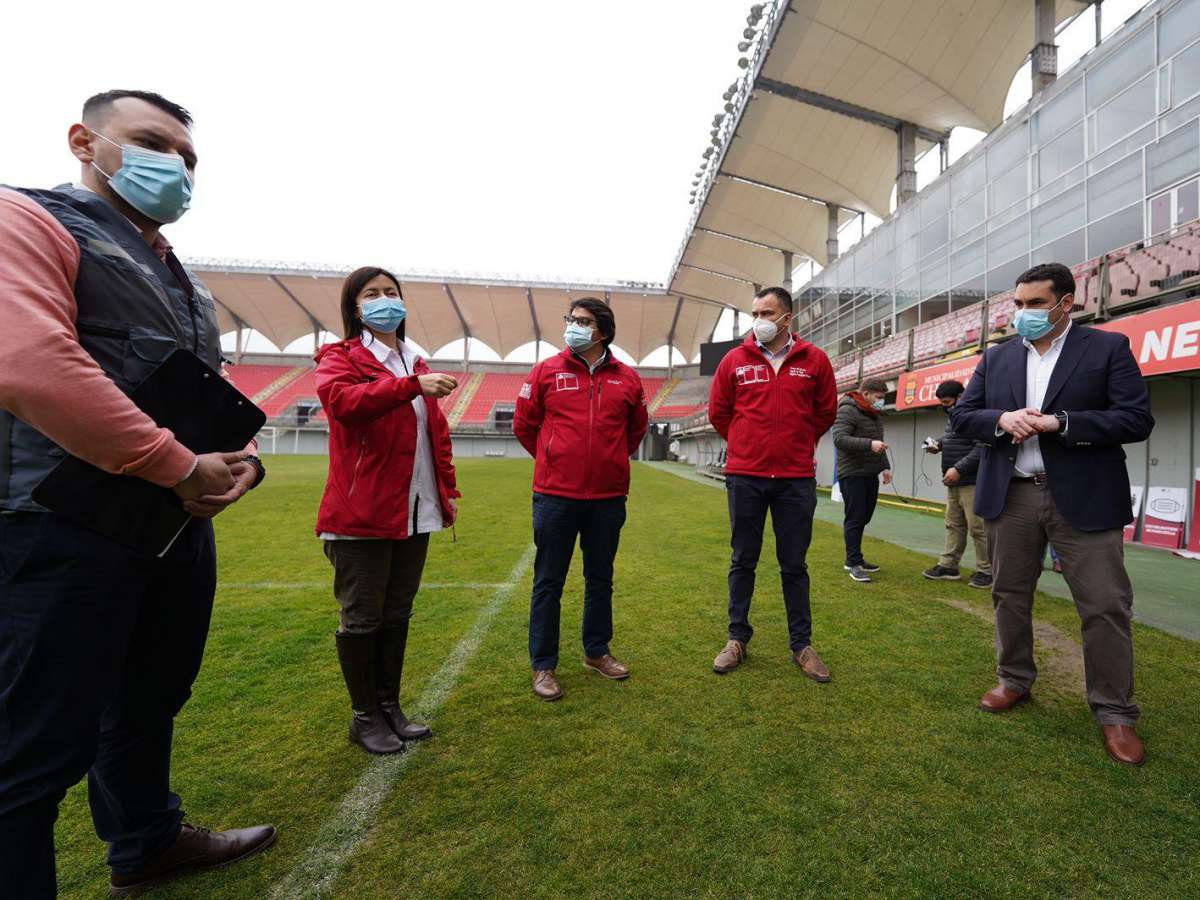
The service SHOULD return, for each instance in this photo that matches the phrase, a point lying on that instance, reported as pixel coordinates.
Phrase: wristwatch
(262, 471)
(1062, 422)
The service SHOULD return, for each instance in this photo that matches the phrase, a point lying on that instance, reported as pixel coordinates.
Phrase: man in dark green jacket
(861, 458)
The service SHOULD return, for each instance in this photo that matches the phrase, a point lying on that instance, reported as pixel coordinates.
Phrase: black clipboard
(207, 415)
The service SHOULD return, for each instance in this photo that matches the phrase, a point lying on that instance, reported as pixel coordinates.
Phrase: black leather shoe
(194, 850)
(373, 732)
(391, 646)
(369, 728)
(405, 729)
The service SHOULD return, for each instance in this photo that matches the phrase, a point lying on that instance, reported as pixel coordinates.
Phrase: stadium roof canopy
(815, 131)
(837, 99)
(284, 304)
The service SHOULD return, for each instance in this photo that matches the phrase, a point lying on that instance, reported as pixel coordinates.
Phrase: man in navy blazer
(1054, 409)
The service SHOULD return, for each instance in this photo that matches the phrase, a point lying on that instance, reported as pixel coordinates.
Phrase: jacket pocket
(146, 351)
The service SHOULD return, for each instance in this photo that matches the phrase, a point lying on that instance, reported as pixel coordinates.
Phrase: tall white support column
(1045, 51)
(831, 232)
(906, 163)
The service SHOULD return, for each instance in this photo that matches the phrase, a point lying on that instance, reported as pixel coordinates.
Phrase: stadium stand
(688, 397)
(302, 388)
(494, 388)
(258, 382)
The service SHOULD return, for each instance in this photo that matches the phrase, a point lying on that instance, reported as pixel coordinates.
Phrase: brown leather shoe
(195, 849)
(730, 658)
(606, 666)
(1123, 744)
(810, 664)
(1002, 698)
(546, 686)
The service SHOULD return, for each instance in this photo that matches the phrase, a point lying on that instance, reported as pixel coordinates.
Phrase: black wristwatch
(1062, 422)
(262, 472)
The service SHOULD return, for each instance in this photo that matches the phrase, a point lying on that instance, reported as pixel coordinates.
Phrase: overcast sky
(526, 138)
(519, 138)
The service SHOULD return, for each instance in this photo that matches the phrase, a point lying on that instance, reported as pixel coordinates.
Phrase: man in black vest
(99, 645)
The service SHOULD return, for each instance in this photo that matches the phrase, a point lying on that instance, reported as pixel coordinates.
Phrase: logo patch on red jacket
(751, 374)
(798, 371)
(526, 391)
(566, 381)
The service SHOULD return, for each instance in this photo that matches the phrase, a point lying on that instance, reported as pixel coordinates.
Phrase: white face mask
(766, 330)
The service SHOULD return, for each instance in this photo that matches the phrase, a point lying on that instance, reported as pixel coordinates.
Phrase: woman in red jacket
(391, 483)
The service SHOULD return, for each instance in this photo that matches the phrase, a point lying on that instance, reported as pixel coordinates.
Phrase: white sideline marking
(309, 585)
(340, 836)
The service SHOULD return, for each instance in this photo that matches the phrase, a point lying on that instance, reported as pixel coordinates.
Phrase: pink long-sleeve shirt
(47, 378)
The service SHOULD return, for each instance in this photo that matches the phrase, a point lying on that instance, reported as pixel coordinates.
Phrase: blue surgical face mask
(878, 404)
(384, 314)
(155, 184)
(578, 337)
(1032, 324)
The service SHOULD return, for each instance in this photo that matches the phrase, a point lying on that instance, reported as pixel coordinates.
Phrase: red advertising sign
(1165, 511)
(1194, 543)
(916, 389)
(1163, 340)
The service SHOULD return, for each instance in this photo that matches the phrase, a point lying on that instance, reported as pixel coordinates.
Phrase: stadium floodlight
(743, 46)
(733, 88)
(749, 33)
(729, 107)
(708, 152)
(717, 118)
(743, 63)
(757, 9)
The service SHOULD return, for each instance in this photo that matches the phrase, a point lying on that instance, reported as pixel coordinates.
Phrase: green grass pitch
(677, 782)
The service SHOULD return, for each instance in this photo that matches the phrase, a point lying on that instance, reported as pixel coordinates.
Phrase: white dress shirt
(777, 357)
(424, 502)
(1038, 369)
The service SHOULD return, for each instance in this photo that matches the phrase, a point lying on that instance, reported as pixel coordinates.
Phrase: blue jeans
(791, 502)
(557, 522)
(99, 647)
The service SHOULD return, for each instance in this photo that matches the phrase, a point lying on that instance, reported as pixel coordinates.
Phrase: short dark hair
(602, 313)
(783, 295)
(98, 104)
(1062, 282)
(874, 384)
(949, 388)
(352, 325)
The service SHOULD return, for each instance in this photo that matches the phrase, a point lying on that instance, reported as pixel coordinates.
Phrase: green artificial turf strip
(678, 782)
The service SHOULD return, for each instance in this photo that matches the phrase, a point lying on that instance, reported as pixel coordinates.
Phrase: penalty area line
(316, 872)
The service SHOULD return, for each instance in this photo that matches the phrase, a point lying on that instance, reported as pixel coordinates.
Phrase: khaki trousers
(1093, 565)
(961, 521)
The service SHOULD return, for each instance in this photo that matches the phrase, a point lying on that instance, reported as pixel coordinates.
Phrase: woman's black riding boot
(369, 728)
(392, 643)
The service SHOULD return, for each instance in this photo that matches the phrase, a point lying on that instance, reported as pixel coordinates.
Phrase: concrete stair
(663, 393)
(279, 384)
(464, 399)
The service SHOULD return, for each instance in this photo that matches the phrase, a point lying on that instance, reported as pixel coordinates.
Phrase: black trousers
(557, 522)
(859, 495)
(791, 502)
(99, 647)
(376, 581)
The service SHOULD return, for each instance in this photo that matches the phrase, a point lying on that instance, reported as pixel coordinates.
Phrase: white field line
(316, 872)
(328, 583)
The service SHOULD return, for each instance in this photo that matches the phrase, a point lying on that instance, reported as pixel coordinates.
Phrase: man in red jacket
(581, 415)
(771, 399)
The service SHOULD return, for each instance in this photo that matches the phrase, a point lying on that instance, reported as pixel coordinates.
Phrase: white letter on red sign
(1152, 344)
(1185, 340)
